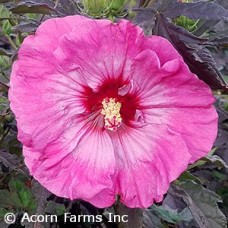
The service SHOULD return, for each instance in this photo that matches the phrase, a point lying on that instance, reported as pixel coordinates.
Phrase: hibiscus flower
(103, 110)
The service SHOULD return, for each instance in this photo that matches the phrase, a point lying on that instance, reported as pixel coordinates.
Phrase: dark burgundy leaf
(144, 14)
(41, 194)
(209, 13)
(204, 25)
(223, 3)
(152, 220)
(33, 7)
(219, 38)
(67, 7)
(198, 10)
(192, 49)
(4, 1)
(9, 160)
(220, 41)
(135, 216)
(164, 5)
(49, 3)
(202, 203)
(26, 27)
(222, 138)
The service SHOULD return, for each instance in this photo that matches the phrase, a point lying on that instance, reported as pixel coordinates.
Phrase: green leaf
(216, 160)
(4, 13)
(55, 208)
(6, 27)
(4, 62)
(188, 176)
(187, 23)
(3, 211)
(152, 220)
(172, 216)
(202, 203)
(23, 193)
(9, 200)
(196, 164)
(219, 175)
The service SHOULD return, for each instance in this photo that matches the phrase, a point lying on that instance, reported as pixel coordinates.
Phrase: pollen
(111, 112)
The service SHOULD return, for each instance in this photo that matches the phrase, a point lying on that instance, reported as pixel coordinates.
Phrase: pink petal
(81, 159)
(101, 49)
(147, 163)
(46, 38)
(180, 100)
(44, 105)
(40, 91)
(162, 47)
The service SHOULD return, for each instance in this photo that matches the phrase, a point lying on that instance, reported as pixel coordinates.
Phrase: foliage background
(198, 30)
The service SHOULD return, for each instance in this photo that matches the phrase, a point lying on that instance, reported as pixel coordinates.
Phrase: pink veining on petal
(103, 110)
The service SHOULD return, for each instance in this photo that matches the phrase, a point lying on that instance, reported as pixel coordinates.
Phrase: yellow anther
(111, 112)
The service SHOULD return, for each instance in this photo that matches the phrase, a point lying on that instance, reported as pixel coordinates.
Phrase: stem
(11, 42)
(134, 216)
(147, 2)
(194, 25)
(4, 135)
(56, 3)
(3, 75)
(42, 17)
(111, 18)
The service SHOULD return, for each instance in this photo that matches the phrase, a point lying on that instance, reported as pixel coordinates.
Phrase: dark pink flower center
(113, 102)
